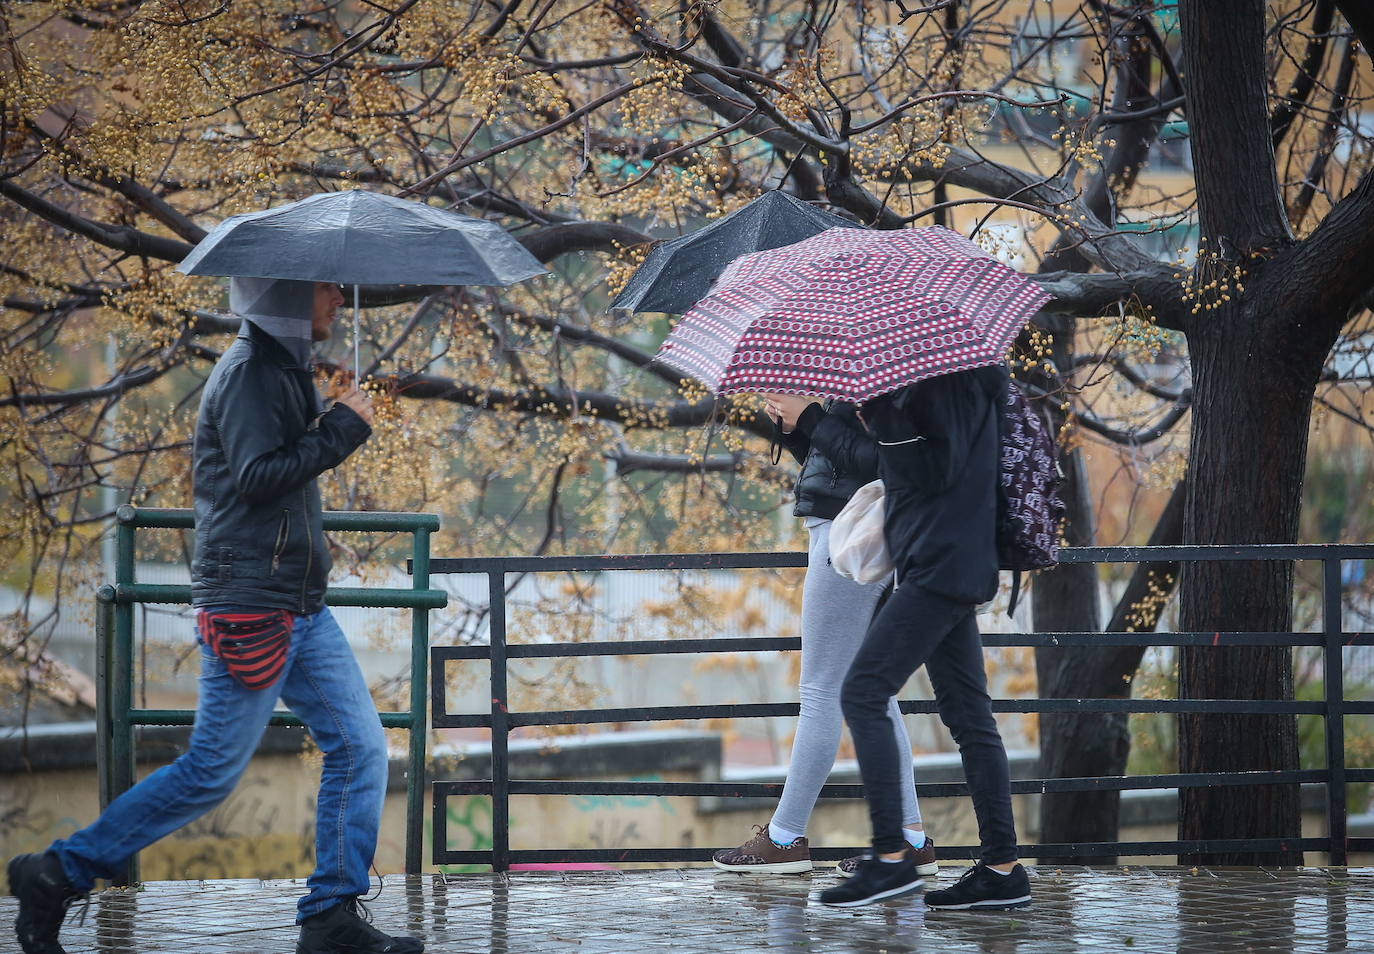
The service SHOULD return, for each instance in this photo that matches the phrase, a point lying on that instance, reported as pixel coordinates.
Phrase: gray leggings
(835, 616)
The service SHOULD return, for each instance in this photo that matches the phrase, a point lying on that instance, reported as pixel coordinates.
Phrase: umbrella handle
(356, 382)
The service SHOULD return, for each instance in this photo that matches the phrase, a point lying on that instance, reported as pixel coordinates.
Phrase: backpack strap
(1015, 592)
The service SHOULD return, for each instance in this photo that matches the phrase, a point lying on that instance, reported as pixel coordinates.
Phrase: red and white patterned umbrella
(851, 314)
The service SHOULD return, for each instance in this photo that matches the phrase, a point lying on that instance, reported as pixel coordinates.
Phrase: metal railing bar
(1094, 640)
(1333, 679)
(500, 725)
(1218, 552)
(757, 710)
(460, 720)
(1118, 783)
(178, 518)
(595, 563)
(376, 598)
(762, 644)
(419, 700)
(390, 720)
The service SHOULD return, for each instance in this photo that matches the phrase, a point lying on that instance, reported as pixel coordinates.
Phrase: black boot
(44, 895)
(347, 929)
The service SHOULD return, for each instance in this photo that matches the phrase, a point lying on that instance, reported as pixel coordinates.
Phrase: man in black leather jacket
(258, 581)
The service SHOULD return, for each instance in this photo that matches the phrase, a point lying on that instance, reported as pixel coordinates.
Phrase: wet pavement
(1197, 910)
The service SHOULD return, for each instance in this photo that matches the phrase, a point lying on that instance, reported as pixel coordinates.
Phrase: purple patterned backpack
(1029, 509)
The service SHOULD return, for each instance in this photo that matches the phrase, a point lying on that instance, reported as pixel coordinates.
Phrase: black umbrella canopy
(363, 238)
(678, 273)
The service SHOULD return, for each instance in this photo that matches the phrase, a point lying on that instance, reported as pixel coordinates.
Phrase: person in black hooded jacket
(938, 454)
(838, 457)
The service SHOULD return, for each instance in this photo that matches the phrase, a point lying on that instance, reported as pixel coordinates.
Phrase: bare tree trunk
(1245, 472)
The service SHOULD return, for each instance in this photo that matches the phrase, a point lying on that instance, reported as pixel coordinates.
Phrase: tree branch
(548, 243)
(117, 385)
(565, 403)
(627, 462)
(1329, 271)
(1151, 584)
(572, 117)
(1291, 106)
(1092, 293)
(1360, 15)
(120, 237)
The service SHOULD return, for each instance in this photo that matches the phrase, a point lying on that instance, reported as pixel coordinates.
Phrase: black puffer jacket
(837, 456)
(938, 453)
(260, 443)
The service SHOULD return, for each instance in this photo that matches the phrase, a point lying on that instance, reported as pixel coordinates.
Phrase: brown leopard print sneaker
(759, 855)
(923, 857)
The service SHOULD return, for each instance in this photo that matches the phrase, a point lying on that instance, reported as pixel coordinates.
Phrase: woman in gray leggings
(838, 457)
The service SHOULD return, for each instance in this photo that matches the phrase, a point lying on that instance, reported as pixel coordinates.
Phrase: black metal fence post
(500, 725)
(1333, 682)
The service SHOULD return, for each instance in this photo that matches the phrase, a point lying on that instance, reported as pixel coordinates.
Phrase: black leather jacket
(260, 443)
(837, 456)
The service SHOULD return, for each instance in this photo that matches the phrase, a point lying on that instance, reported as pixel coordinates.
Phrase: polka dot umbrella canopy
(850, 314)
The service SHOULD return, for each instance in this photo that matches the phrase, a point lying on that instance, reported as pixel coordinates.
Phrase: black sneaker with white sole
(982, 889)
(873, 881)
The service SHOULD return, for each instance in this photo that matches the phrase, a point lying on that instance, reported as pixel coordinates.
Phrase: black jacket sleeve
(842, 440)
(252, 418)
(796, 441)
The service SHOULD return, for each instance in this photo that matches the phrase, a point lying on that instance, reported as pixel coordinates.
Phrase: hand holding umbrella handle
(358, 401)
(786, 408)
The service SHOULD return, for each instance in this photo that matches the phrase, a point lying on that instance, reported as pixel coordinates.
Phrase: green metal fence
(116, 716)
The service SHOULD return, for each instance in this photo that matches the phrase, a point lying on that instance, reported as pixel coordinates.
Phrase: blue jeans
(324, 686)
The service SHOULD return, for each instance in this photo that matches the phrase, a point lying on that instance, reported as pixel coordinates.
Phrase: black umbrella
(679, 273)
(362, 238)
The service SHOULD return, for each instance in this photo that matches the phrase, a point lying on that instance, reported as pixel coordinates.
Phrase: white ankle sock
(998, 870)
(914, 838)
(781, 836)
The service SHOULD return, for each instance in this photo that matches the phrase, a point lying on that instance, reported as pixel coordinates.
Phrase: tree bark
(1255, 362)
(1239, 205)
(1247, 457)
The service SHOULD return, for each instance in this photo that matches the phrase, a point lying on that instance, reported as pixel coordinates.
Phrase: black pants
(919, 628)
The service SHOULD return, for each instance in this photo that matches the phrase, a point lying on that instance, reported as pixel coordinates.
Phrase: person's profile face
(328, 298)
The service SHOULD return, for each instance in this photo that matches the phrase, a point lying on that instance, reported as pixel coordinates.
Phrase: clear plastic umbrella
(362, 238)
